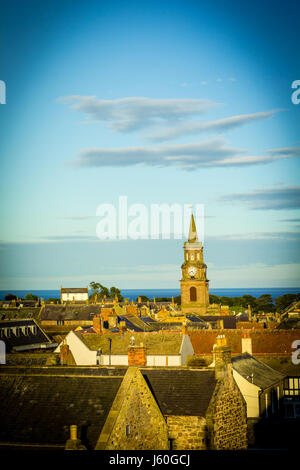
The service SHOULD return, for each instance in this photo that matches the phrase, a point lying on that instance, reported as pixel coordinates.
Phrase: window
(127, 430)
(292, 386)
(193, 294)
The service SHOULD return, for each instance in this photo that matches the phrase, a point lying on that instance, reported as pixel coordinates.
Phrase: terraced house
(152, 349)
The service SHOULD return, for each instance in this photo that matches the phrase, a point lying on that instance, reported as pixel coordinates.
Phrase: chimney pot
(73, 432)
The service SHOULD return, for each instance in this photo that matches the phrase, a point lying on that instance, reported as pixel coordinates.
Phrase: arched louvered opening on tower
(193, 294)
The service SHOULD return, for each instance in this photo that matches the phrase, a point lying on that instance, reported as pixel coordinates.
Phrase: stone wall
(135, 421)
(187, 432)
(227, 417)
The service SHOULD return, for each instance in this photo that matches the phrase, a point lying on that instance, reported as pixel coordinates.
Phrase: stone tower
(194, 284)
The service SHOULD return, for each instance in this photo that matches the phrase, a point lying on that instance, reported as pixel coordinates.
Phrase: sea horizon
(132, 294)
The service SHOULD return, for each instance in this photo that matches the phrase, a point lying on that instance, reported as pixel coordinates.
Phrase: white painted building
(74, 294)
(171, 349)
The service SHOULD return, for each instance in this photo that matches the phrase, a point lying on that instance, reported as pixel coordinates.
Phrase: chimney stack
(222, 358)
(137, 355)
(112, 321)
(246, 342)
(122, 328)
(184, 329)
(74, 443)
(64, 352)
(97, 323)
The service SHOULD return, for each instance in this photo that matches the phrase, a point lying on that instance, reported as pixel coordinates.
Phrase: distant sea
(132, 294)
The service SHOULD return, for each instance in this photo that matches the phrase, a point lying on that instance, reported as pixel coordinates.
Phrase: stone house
(120, 408)
(154, 349)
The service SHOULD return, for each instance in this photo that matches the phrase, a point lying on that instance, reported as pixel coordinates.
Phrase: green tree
(10, 297)
(31, 297)
(283, 301)
(114, 291)
(214, 299)
(226, 301)
(265, 303)
(249, 300)
(102, 291)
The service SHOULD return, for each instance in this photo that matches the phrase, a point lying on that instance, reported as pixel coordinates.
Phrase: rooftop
(40, 408)
(181, 392)
(155, 343)
(256, 371)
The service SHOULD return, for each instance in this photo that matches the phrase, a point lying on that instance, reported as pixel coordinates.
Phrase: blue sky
(140, 83)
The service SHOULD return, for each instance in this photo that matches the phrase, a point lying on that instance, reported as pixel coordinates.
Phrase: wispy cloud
(78, 217)
(290, 220)
(211, 153)
(268, 199)
(219, 125)
(259, 236)
(286, 151)
(68, 238)
(134, 113)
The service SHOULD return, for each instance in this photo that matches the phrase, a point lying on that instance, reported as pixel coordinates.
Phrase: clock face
(192, 271)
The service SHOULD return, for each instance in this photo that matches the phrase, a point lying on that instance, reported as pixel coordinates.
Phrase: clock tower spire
(194, 283)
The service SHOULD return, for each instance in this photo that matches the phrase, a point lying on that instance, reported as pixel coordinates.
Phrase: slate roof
(243, 316)
(282, 364)
(229, 320)
(69, 312)
(155, 343)
(134, 323)
(181, 392)
(263, 375)
(40, 409)
(23, 340)
(59, 370)
(147, 319)
(20, 312)
(74, 290)
(194, 318)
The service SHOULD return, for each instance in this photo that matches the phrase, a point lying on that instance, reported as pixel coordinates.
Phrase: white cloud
(219, 125)
(211, 153)
(133, 113)
(256, 275)
(269, 198)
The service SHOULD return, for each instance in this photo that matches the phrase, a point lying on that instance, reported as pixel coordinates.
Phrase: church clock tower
(194, 284)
